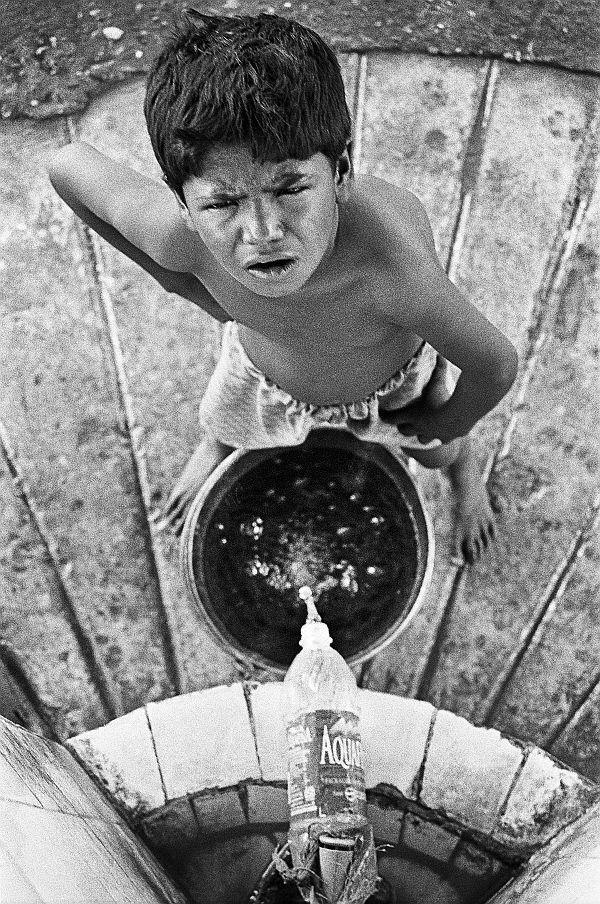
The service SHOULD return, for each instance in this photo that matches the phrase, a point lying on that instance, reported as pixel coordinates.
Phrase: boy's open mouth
(267, 269)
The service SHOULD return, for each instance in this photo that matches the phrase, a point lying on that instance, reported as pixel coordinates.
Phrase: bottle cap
(315, 635)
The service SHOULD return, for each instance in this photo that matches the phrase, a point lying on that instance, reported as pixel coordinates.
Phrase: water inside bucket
(309, 516)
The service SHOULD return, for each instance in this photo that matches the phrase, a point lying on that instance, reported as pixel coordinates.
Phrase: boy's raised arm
(434, 309)
(137, 215)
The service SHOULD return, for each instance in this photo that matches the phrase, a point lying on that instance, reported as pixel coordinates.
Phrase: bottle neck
(315, 635)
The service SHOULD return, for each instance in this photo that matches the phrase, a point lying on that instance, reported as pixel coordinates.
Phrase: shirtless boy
(337, 309)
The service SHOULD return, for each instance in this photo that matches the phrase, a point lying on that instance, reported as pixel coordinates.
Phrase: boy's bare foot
(200, 466)
(475, 524)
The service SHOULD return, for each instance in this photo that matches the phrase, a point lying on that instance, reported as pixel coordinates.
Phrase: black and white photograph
(299, 452)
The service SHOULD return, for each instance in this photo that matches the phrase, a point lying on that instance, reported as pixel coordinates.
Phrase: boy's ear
(183, 209)
(343, 172)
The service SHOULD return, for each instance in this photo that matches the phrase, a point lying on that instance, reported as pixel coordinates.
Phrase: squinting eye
(219, 206)
(292, 191)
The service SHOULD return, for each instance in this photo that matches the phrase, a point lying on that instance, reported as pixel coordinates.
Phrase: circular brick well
(458, 811)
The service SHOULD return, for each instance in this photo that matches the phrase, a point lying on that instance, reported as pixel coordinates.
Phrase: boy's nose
(262, 224)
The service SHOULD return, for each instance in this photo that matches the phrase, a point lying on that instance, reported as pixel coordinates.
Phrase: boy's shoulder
(398, 239)
(394, 218)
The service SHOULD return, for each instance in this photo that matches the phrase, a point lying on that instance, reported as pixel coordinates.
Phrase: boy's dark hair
(263, 81)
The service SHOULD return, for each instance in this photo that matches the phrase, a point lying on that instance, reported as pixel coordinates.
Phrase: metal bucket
(294, 501)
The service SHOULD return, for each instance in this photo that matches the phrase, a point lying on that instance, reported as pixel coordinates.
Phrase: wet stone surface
(60, 54)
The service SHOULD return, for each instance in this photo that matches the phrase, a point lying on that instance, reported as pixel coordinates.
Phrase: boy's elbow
(508, 367)
(58, 167)
(62, 165)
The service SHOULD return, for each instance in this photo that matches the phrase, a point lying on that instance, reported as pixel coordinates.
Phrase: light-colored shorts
(244, 409)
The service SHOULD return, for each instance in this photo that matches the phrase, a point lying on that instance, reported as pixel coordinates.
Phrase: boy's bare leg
(209, 453)
(475, 524)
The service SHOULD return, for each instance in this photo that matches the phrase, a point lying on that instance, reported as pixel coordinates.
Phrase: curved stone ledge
(459, 810)
(564, 872)
(215, 760)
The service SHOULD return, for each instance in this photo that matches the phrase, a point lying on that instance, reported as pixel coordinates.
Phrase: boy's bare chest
(332, 347)
(335, 318)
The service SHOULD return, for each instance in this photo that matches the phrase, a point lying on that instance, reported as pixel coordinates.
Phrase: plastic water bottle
(326, 783)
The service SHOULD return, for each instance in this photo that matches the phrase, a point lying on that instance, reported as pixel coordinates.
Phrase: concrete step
(60, 838)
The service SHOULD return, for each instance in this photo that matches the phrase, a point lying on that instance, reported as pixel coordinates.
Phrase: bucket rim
(386, 458)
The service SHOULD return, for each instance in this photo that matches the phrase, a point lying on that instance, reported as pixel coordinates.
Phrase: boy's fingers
(173, 522)
(178, 526)
(170, 515)
(177, 521)
(173, 503)
(174, 514)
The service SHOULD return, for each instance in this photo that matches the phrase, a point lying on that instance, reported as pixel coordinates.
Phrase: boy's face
(269, 225)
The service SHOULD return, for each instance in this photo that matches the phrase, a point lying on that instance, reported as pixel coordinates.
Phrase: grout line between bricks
(158, 766)
(402, 828)
(575, 713)
(452, 588)
(28, 703)
(543, 612)
(418, 780)
(247, 689)
(191, 798)
(504, 440)
(242, 790)
(358, 111)
(458, 237)
(518, 772)
(362, 679)
(471, 167)
(351, 82)
(107, 691)
(460, 838)
(91, 245)
(582, 701)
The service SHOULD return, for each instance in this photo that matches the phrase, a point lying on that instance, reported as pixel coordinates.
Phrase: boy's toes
(470, 550)
(476, 540)
(485, 536)
(174, 513)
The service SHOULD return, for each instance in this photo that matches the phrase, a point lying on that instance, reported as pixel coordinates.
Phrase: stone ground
(56, 54)
(102, 371)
